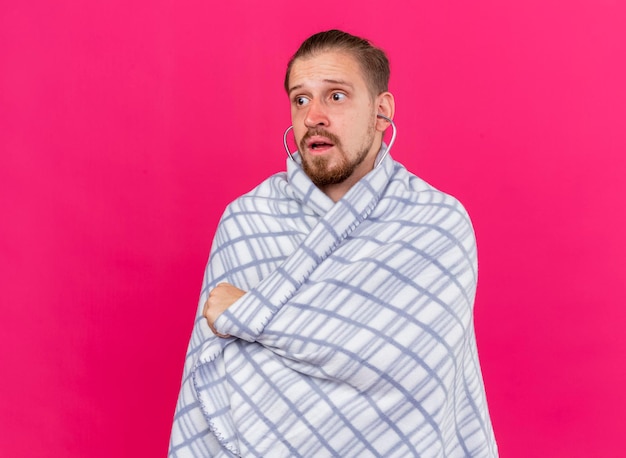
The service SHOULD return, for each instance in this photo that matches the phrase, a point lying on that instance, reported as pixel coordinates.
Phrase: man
(336, 312)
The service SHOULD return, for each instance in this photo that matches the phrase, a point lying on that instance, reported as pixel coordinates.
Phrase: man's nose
(316, 115)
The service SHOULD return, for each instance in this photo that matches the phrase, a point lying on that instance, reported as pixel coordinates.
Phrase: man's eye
(337, 96)
(301, 100)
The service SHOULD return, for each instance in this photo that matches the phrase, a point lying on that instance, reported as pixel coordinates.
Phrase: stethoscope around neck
(391, 142)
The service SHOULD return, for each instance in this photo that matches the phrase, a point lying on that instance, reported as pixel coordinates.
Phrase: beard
(319, 168)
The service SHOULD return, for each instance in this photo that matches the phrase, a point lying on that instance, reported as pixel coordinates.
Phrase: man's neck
(338, 190)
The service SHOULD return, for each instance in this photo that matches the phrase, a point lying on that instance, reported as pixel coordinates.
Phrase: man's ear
(386, 106)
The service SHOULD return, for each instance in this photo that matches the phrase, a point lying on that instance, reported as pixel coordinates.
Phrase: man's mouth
(319, 144)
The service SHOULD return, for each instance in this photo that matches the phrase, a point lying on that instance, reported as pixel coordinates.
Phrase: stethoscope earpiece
(393, 137)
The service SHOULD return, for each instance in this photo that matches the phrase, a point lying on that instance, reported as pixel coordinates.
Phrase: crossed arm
(220, 298)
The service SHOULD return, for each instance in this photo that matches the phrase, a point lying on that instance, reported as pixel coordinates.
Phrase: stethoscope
(391, 142)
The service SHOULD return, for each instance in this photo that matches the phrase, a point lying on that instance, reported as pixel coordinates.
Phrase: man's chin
(324, 175)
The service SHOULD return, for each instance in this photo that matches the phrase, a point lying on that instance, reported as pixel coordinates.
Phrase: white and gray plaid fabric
(355, 337)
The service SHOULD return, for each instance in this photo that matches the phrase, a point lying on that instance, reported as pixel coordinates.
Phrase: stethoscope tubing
(391, 142)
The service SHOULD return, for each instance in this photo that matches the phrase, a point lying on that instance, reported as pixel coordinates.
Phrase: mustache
(319, 132)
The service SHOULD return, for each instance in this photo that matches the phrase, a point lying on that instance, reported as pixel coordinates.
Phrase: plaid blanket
(355, 336)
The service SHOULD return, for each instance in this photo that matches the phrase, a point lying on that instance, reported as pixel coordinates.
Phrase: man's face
(334, 118)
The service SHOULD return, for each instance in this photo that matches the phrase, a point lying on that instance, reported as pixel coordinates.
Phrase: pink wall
(126, 127)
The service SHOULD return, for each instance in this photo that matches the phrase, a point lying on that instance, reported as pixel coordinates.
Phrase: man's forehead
(300, 84)
(327, 67)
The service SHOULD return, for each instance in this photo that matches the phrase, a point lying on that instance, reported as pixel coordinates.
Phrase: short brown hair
(373, 61)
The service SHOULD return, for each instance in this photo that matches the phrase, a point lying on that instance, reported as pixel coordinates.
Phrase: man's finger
(210, 319)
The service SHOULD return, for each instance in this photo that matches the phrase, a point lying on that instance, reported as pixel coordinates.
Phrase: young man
(336, 313)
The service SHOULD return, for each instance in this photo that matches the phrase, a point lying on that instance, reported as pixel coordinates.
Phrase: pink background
(127, 126)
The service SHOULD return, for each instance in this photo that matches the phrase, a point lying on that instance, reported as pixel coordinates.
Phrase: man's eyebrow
(340, 82)
(326, 80)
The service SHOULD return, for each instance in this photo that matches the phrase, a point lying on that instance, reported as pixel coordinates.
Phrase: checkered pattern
(355, 337)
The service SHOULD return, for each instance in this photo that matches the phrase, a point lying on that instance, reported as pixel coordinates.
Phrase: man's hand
(220, 298)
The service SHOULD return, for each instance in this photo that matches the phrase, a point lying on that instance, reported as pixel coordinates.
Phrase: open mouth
(319, 144)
